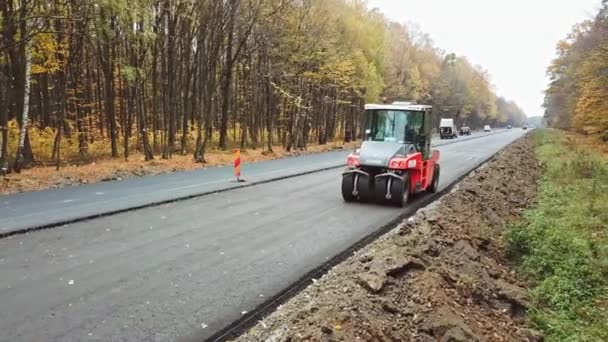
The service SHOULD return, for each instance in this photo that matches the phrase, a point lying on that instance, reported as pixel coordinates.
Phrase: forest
(87, 79)
(577, 97)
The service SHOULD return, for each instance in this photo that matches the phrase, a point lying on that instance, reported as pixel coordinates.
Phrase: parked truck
(447, 129)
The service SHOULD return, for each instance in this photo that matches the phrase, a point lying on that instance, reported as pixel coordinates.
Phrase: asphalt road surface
(56, 206)
(190, 267)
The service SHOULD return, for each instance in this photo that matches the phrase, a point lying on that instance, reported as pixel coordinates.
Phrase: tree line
(88, 78)
(577, 96)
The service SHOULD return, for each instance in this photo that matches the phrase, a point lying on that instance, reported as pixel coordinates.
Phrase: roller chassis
(390, 186)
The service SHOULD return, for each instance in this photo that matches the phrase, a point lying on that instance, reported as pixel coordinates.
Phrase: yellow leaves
(403, 72)
(416, 70)
(335, 43)
(577, 96)
(47, 54)
(591, 110)
(563, 46)
(293, 99)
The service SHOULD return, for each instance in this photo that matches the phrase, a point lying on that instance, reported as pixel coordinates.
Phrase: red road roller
(395, 159)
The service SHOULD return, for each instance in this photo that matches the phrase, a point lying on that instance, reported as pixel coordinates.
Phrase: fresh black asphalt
(193, 266)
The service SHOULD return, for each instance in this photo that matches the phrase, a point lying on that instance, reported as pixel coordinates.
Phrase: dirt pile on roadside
(439, 276)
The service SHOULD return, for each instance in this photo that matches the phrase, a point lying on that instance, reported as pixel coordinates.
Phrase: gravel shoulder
(440, 275)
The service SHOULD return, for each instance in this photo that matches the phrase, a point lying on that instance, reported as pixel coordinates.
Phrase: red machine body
(395, 159)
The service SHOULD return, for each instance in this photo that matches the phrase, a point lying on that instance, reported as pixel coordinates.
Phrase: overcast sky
(514, 40)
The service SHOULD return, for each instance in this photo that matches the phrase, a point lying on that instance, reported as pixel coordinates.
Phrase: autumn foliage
(577, 96)
(109, 78)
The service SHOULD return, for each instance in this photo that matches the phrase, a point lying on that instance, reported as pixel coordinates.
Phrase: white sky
(513, 39)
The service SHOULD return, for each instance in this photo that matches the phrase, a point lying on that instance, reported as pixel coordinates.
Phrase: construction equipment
(395, 159)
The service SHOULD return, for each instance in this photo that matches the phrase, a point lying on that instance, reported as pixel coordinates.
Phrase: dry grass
(587, 142)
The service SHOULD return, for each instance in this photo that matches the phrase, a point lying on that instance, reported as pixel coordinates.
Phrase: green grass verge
(562, 245)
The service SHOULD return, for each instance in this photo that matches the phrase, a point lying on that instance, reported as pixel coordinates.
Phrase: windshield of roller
(399, 126)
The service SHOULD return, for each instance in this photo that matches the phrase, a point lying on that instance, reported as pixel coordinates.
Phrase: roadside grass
(562, 245)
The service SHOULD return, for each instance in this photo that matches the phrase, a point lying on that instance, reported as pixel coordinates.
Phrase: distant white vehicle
(487, 128)
(447, 129)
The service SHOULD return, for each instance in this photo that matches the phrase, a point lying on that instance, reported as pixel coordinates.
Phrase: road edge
(60, 223)
(236, 186)
(248, 320)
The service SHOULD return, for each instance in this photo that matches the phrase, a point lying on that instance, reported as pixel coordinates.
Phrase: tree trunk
(227, 76)
(45, 101)
(106, 52)
(110, 109)
(26, 108)
(3, 129)
(171, 112)
(143, 129)
(269, 115)
(227, 79)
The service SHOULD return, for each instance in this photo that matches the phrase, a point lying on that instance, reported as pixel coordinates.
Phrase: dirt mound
(439, 276)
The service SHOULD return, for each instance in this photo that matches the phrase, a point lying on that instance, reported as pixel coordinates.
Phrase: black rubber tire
(400, 191)
(434, 187)
(380, 190)
(348, 185)
(364, 188)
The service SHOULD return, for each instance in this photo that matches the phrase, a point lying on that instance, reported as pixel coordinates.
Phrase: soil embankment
(440, 275)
